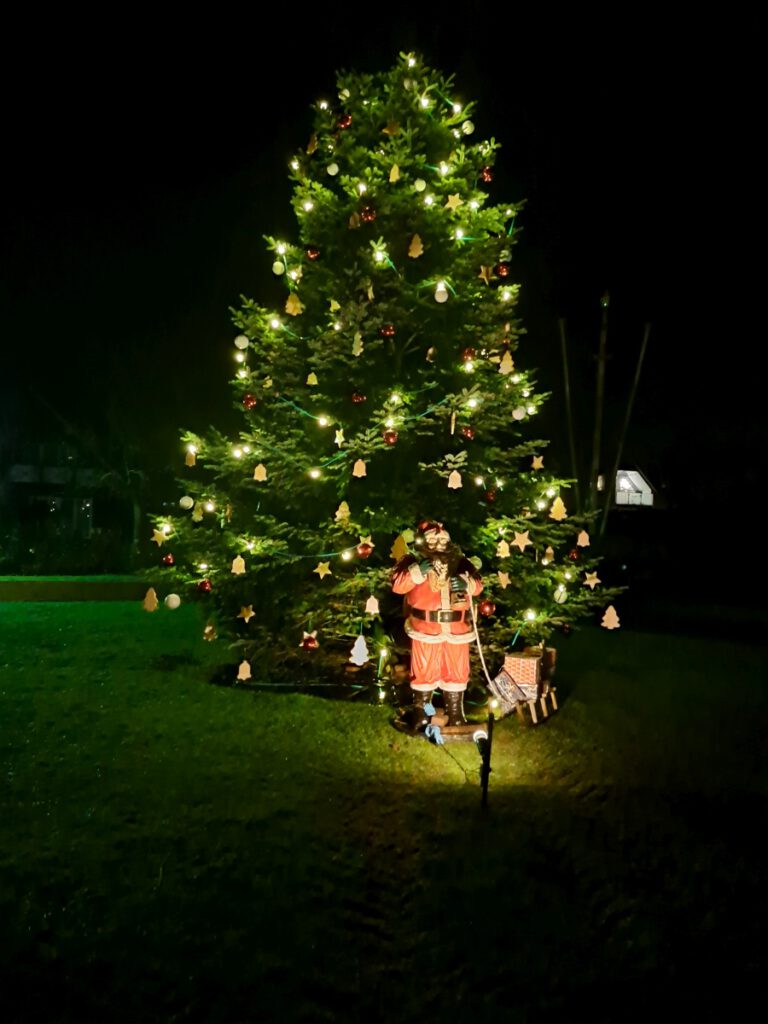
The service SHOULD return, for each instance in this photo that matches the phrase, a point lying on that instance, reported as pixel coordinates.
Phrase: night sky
(142, 170)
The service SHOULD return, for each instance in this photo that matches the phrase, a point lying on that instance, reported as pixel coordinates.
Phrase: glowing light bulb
(322, 421)
(314, 473)
(444, 168)
(472, 403)
(337, 325)
(239, 357)
(203, 566)
(428, 200)
(494, 703)
(540, 505)
(192, 449)
(308, 205)
(499, 483)
(389, 422)
(362, 187)
(469, 366)
(166, 528)
(441, 292)
(294, 275)
(568, 576)
(551, 492)
(394, 398)
(379, 256)
(526, 393)
(247, 449)
(531, 409)
(457, 108)
(479, 481)
(508, 213)
(473, 205)
(323, 104)
(530, 615)
(382, 694)
(516, 378)
(505, 295)
(209, 506)
(242, 373)
(281, 248)
(274, 323)
(459, 233)
(384, 652)
(295, 165)
(346, 555)
(411, 62)
(424, 102)
(250, 545)
(237, 452)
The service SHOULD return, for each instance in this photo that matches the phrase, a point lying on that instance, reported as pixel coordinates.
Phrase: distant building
(631, 488)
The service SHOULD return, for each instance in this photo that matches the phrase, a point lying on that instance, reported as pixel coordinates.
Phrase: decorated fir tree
(385, 389)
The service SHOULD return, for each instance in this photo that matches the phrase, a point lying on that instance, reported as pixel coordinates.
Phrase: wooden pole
(609, 491)
(599, 403)
(569, 414)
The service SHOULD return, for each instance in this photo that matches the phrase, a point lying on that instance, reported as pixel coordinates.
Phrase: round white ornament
(518, 413)
(419, 184)
(172, 601)
(186, 502)
(241, 341)
(278, 267)
(333, 169)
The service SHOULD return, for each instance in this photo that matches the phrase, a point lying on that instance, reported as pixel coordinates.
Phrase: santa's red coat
(440, 649)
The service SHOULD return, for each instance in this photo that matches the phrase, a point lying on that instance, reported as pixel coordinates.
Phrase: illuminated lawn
(171, 850)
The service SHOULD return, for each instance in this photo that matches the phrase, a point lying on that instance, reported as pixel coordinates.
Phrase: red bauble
(365, 550)
(368, 215)
(468, 354)
(387, 331)
(249, 401)
(490, 496)
(310, 643)
(390, 437)
(168, 559)
(486, 608)
(565, 629)
(502, 270)
(468, 432)
(344, 121)
(204, 586)
(357, 398)
(312, 252)
(574, 554)
(486, 174)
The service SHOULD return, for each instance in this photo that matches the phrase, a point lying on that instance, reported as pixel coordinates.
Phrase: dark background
(144, 162)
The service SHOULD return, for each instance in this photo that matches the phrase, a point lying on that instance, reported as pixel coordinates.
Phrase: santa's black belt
(439, 616)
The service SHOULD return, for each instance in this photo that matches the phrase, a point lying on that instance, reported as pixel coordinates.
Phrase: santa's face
(437, 540)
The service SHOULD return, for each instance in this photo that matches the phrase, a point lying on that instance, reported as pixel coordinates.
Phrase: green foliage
(382, 331)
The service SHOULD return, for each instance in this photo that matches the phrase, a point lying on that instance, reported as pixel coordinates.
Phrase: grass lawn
(176, 851)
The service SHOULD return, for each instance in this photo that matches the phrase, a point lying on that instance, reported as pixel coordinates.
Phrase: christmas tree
(384, 389)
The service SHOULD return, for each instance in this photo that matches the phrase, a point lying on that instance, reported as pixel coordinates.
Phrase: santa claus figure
(437, 585)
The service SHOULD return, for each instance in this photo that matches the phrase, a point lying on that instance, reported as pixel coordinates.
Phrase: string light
(444, 168)
(247, 449)
(308, 205)
(203, 566)
(459, 233)
(379, 256)
(531, 409)
(457, 108)
(362, 187)
(346, 555)
(314, 473)
(237, 452)
(166, 528)
(274, 323)
(242, 373)
(505, 294)
(337, 326)
(394, 398)
(192, 449)
(209, 506)
(239, 357)
(530, 615)
(428, 200)
(424, 102)
(295, 164)
(323, 104)
(568, 576)
(322, 421)
(540, 505)
(411, 62)
(469, 366)
(281, 248)
(389, 422)
(473, 204)
(526, 393)
(479, 481)
(472, 403)
(551, 492)
(516, 378)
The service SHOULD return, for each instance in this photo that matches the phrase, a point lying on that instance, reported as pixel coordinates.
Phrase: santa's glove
(458, 583)
(425, 567)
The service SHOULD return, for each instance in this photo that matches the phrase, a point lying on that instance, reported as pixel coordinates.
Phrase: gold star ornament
(522, 540)
(323, 569)
(591, 580)
(454, 202)
(246, 613)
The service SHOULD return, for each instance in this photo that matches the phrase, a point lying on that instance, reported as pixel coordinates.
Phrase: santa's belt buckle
(447, 616)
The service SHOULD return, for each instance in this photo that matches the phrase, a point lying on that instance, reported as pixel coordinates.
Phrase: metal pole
(485, 768)
(609, 491)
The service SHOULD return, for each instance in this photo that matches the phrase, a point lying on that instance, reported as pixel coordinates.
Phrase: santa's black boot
(454, 705)
(415, 715)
